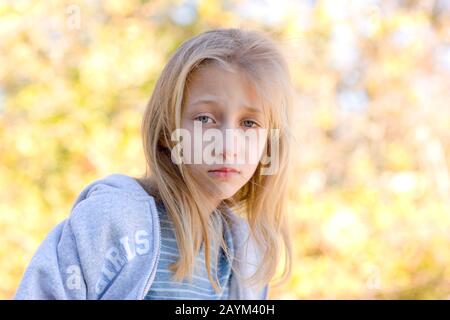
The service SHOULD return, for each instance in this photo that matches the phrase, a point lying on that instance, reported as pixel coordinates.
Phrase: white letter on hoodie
(142, 243)
(74, 279)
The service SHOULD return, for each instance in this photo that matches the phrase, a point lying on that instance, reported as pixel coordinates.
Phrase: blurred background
(370, 200)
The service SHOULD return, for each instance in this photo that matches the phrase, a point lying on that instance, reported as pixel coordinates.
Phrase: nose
(230, 144)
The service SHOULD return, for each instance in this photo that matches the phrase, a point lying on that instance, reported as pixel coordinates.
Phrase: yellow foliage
(369, 199)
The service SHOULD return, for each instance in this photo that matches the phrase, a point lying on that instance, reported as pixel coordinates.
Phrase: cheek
(189, 143)
(253, 149)
(248, 170)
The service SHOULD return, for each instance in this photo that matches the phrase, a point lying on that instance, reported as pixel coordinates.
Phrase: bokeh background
(370, 199)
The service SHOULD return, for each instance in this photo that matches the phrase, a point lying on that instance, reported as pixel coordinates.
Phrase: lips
(223, 173)
(224, 169)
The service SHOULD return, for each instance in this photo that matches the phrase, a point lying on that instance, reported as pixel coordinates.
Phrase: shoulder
(116, 201)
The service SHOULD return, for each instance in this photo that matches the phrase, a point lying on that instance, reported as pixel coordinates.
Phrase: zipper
(153, 272)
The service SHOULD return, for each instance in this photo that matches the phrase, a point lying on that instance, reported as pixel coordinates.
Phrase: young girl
(204, 222)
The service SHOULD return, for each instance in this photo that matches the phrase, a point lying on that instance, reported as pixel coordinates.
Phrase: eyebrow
(205, 100)
(253, 110)
(212, 100)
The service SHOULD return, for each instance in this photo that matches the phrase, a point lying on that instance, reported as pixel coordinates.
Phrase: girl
(204, 221)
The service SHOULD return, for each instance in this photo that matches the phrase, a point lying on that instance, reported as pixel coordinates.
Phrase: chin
(226, 193)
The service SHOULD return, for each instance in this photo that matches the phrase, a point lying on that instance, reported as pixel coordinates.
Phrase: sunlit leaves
(370, 191)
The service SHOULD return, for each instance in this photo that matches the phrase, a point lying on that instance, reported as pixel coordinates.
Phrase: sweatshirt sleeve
(54, 272)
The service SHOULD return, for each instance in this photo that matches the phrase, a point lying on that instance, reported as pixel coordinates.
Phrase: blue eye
(203, 119)
(249, 123)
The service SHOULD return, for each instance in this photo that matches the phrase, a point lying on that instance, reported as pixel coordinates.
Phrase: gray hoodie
(108, 248)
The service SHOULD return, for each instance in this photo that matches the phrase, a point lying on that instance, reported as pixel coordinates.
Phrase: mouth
(224, 172)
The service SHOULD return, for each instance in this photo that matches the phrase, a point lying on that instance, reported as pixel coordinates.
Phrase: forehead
(228, 87)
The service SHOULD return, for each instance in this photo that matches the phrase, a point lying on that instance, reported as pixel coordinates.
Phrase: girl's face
(224, 105)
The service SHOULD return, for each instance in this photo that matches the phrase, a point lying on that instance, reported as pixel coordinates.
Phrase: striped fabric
(164, 288)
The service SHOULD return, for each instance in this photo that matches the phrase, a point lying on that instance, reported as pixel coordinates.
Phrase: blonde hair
(262, 200)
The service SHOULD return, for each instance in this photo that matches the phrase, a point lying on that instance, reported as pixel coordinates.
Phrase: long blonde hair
(262, 200)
